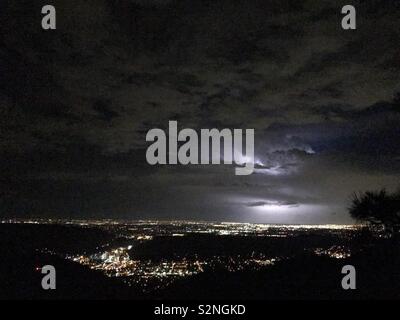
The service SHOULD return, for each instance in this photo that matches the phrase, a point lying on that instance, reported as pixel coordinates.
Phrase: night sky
(76, 104)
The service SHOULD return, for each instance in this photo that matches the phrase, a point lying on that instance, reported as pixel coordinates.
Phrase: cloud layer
(76, 105)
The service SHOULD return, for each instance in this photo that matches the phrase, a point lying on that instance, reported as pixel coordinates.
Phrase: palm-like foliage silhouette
(377, 207)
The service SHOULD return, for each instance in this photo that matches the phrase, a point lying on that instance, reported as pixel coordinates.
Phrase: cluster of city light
(337, 252)
(117, 263)
(193, 226)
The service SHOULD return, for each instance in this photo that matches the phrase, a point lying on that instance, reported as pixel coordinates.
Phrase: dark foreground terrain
(142, 261)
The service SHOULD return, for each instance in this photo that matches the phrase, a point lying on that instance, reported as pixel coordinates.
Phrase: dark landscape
(188, 260)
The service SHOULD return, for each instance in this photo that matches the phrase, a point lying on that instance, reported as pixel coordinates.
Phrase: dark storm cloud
(76, 104)
(277, 203)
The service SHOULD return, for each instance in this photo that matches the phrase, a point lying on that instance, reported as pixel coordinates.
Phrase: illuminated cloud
(273, 203)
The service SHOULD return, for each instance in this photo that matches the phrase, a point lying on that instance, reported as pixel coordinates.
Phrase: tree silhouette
(377, 208)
